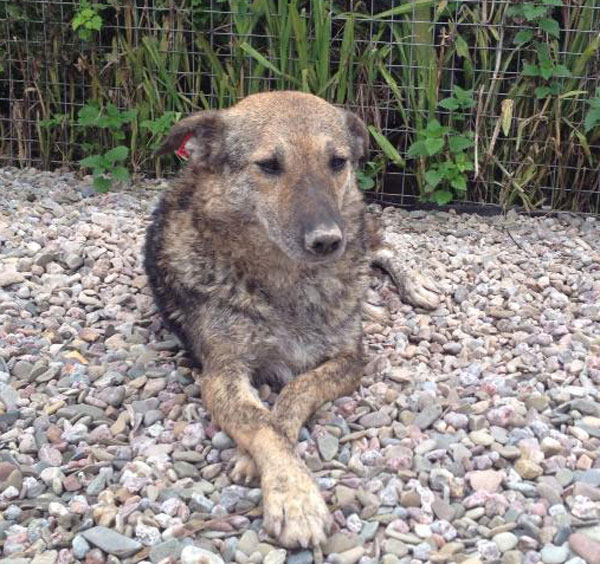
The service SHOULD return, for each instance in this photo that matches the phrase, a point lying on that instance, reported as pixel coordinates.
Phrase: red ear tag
(182, 152)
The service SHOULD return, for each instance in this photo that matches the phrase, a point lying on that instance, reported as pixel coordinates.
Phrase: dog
(258, 260)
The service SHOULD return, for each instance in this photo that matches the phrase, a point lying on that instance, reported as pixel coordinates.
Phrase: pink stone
(501, 416)
(50, 455)
(486, 480)
(585, 547)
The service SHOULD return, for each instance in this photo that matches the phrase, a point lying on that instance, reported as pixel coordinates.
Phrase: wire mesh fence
(495, 101)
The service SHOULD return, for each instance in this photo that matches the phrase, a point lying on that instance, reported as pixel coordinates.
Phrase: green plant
(87, 19)
(459, 100)
(453, 160)
(544, 29)
(108, 167)
(538, 15)
(445, 152)
(546, 68)
(371, 173)
(109, 118)
(159, 127)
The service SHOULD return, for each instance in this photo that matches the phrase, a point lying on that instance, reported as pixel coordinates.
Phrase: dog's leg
(294, 510)
(300, 399)
(415, 288)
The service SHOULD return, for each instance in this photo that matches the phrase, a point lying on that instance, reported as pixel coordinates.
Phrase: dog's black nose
(323, 241)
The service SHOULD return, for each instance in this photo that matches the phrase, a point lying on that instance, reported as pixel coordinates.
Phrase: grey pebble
(302, 557)
(170, 548)
(328, 446)
(222, 441)
(552, 554)
(111, 541)
(80, 546)
(276, 556)
(375, 419)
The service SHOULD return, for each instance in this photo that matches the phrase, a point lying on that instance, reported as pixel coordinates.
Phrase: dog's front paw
(244, 470)
(294, 510)
(419, 290)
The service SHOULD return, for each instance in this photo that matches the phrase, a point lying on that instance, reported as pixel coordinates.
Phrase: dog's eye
(270, 166)
(338, 163)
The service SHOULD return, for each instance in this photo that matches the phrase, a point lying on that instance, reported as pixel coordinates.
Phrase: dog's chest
(313, 321)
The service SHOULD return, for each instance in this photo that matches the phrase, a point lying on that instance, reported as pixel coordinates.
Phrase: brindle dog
(258, 259)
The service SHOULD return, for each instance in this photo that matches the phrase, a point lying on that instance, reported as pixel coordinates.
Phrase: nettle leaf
(442, 197)
(592, 119)
(102, 184)
(463, 164)
(449, 104)
(447, 168)
(154, 126)
(112, 110)
(533, 12)
(523, 36)
(109, 122)
(555, 89)
(543, 51)
(94, 23)
(550, 26)
(83, 17)
(542, 91)
(433, 146)
(88, 115)
(561, 71)
(417, 149)
(162, 124)
(433, 177)
(128, 116)
(365, 182)
(459, 183)
(464, 97)
(531, 70)
(117, 154)
(546, 70)
(434, 129)
(94, 161)
(552, 2)
(515, 11)
(121, 174)
(458, 143)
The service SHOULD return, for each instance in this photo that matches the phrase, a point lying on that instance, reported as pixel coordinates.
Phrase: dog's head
(286, 160)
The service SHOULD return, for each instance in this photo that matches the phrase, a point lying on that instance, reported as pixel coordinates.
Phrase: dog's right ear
(200, 135)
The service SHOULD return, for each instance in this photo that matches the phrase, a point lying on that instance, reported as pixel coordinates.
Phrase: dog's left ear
(200, 136)
(359, 136)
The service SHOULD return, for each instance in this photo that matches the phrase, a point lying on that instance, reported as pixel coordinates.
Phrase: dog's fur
(235, 270)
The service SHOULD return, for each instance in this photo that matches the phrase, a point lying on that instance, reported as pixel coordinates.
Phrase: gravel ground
(474, 438)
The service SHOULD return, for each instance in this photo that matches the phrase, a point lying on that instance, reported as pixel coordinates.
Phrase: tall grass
(394, 65)
(530, 150)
